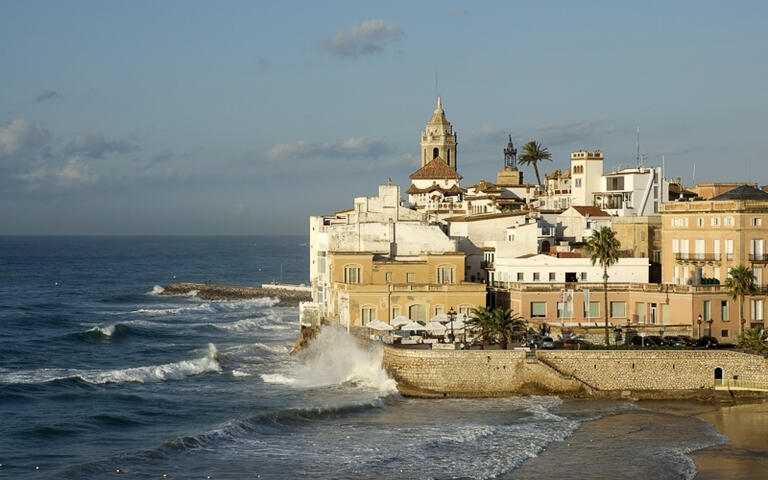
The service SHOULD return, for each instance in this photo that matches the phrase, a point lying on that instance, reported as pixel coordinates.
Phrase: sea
(103, 377)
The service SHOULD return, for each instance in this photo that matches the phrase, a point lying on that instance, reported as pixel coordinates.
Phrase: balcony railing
(486, 264)
(702, 257)
(758, 257)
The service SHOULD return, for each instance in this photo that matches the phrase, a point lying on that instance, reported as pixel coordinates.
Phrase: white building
(632, 191)
(551, 269)
(577, 223)
(378, 225)
(586, 172)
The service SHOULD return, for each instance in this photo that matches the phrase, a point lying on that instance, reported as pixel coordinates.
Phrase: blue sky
(247, 117)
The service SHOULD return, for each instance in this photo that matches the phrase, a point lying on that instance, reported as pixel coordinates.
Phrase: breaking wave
(148, 374)
(336, 358)
(156, 290)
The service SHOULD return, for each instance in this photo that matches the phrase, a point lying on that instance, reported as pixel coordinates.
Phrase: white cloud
(74, 171)
(364, 39)
(350, 148)
(21, 139)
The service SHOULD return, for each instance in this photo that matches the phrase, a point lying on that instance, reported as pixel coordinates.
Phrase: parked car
(647, 341)
(575, 343)
(547, 343)
(689, 340)
(707, 342)
(675, 341)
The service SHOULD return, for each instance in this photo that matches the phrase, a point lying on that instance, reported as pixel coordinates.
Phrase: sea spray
(336, 358)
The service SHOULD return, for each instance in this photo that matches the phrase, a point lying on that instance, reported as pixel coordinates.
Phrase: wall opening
(718, 375)
(435, 153)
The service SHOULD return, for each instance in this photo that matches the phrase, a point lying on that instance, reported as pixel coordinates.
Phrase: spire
(439, 104)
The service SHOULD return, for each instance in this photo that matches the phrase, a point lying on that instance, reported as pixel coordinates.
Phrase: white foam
(107, 331)
(191, 293)
(240, 373)
(156, 290)
(147, 374)
(278, 378)
(335, 358)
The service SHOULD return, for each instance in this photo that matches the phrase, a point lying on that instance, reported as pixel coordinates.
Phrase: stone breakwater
(288, 298)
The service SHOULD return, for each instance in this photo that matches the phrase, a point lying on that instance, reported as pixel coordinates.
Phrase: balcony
(486, 264)
(700, 257)
(758, 257)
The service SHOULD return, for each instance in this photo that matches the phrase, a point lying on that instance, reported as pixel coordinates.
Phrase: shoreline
(287, 298)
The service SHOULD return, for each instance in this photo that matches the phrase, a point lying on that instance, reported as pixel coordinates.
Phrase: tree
(754, 340)
(482, 319)
(603, 248)
(510, 327)
(740, 282)
(532, 153)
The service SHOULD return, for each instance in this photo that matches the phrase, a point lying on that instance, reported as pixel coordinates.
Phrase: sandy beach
(745, 456)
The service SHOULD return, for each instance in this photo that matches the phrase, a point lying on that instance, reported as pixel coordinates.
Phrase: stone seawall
(232, 292)
(483, 373)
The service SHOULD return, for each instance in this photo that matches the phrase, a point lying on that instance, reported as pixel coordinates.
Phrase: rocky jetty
(288, 298)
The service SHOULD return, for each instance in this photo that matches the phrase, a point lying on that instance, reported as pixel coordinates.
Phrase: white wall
(626, 270)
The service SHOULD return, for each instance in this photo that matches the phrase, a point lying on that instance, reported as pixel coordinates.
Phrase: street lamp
(452, 317)
(698, 320)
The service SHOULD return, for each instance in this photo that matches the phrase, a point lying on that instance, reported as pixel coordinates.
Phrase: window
(640, 311)
(715, 222)
(465, 309)
(728, 249)
(388, 275)
(729, 222)
(551, 276)
(321, 262)
(367, 314)
(438, 309)
(756, 221)
(583, 276)
(707, 307)
(577, 183)
(593, 311)
(395, 311)
(538, 309)
(352, 274)
(410, 277)
(723, 333)
(536, 276)
(519, 276)
(724, 310)
(679, 222)
(564, 310)
(615, 183)
(445, 274)
(417, 313)
(700, 222)
(675, 245)
(757, 310)
(618, 310)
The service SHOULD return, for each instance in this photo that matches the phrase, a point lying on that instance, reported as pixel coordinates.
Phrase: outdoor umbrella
(436, 328)
(379, 325)
(400, 320)
(412, 326)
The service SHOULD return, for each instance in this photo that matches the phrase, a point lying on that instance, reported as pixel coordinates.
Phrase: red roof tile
(591, 211)
(436, 169)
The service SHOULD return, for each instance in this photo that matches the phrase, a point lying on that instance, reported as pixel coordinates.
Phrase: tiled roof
(454, 189)
(591, 211)
(436, 169)
(744, 192)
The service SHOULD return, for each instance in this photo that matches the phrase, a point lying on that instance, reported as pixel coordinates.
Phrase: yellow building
(703, 240)
(366, 287)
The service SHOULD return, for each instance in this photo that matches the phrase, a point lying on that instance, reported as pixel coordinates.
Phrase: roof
(436, 169)
(591, 211)
(744, 192)
(485, 216)
(454, 189)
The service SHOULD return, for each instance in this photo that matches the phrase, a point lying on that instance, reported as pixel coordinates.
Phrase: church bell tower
(439, 139)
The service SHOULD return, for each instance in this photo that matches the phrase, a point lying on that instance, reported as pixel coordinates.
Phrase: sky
(245, 118)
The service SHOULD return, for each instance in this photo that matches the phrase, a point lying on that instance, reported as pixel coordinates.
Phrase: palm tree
(509, 326)
(604, 248)
(754, 340)
(532, 153)
(740, 282)
(482, 319)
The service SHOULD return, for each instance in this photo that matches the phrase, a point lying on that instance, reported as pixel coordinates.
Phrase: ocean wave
(156, 290)
(104, 334)
(148, 374)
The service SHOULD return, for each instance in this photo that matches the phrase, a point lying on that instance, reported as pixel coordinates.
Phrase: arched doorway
(435, 153)
(718, 376)
(545, 247)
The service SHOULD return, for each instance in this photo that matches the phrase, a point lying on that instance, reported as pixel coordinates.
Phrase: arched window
(446, 274)
(435, 153)
(417, 313)
(353, 274)
(367, 314)
(718, 375)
